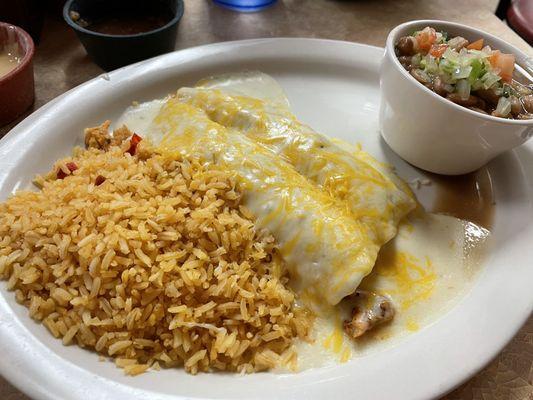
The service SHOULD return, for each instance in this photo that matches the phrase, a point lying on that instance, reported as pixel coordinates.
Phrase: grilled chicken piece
(370, 310)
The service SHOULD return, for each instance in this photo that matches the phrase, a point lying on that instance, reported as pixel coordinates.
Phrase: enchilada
(326, 250)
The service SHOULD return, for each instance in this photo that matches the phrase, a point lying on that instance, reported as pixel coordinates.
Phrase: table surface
(61, 63)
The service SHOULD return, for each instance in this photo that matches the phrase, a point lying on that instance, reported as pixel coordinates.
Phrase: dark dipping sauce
(469, 197)
(129, 24)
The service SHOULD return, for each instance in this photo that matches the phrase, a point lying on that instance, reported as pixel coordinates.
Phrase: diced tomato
(477, 45)
(99, 180)
(134, 142)
(504, 63)
(494, 57)
(71, 167)
(425, 38)
(437, 50)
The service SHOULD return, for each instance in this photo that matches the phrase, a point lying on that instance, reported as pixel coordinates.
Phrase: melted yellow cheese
(410, 280)
(327, 251)
(370, 190)
(411, 325)
(336, 341)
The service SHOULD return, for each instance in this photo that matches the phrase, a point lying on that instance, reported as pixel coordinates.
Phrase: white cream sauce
(252, 83)
(139, 116)
(426, 270)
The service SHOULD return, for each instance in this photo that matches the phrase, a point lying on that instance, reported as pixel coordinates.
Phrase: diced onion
(431, 65)
(462, 72)
(448, 87)
(422, 75)
(498, 91)
(463, 88)
(451, 55)
(455, 41)
(415, 60)
(507, 90)
(504, 107)
(490, 79)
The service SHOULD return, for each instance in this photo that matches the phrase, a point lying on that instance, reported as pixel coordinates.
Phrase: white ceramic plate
(333, 86)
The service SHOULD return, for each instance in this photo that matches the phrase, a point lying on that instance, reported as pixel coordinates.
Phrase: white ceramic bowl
(430, 131)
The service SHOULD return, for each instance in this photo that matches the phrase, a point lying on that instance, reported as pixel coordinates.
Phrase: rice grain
(159, 263)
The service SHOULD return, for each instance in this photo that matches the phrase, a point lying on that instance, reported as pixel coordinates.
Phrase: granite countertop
(61, 64)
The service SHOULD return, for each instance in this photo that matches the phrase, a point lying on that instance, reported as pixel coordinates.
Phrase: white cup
(431, 132)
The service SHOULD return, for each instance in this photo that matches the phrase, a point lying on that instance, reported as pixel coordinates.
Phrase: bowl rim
(66, 16)
(28, 51)
(389, 47)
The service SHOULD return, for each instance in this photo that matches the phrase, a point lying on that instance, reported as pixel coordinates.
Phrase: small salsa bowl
(16, 87)
(114, 50)
(431, 132)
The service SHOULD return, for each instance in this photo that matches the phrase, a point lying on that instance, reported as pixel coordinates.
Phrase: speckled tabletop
(61, 63)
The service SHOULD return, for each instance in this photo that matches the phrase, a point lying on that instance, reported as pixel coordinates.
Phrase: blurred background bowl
(120, 32)
(26, 14)
(245, 5)
(16, 87)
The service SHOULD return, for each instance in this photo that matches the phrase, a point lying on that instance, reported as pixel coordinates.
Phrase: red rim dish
(17, 86)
